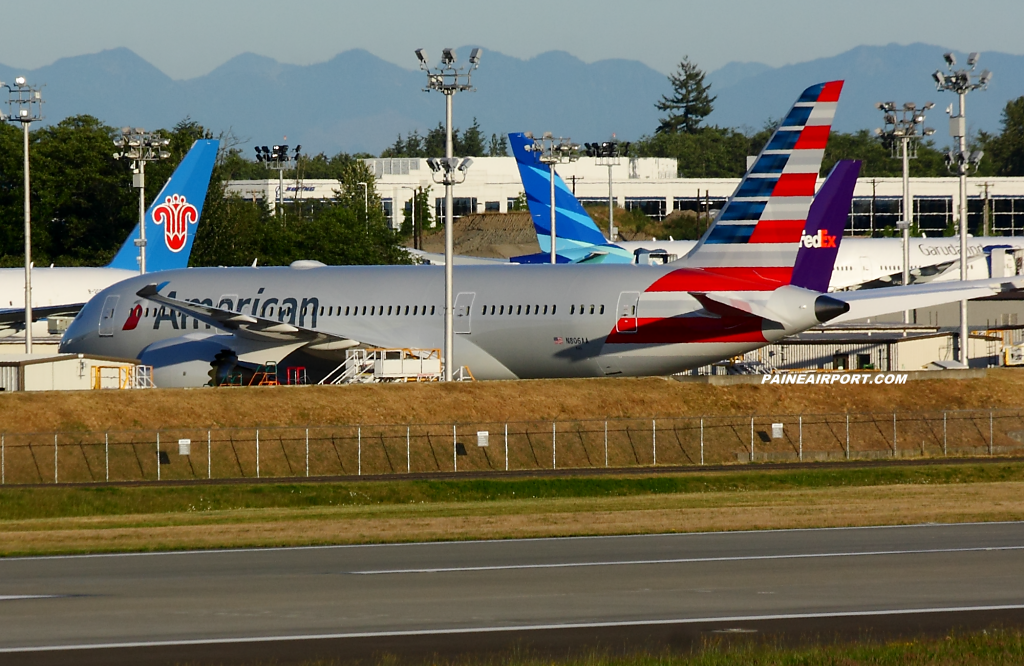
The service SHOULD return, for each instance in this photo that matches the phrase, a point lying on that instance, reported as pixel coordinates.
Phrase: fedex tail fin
(820, 239)
(173, 218)
(759, 229)
(574, 227)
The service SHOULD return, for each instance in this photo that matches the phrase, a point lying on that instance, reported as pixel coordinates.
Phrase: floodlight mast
(902, 130)
(552, 151)
(140, 147)
(29, 103)
(608, 154)
(960, 81)
(448, 80)
(278, 160)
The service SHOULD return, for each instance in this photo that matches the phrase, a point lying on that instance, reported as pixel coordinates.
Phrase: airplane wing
(17, 315)
(259, 329)
(873, 302)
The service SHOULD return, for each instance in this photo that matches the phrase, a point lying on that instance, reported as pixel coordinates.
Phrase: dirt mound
(483, 401)
(495, 235)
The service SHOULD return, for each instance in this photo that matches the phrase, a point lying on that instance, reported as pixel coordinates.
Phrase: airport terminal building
(651, 185)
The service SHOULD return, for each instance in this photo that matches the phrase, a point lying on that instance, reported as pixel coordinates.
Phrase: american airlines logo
(175, 213)
(820, 239)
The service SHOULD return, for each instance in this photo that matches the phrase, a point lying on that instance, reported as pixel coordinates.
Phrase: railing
(353, 450)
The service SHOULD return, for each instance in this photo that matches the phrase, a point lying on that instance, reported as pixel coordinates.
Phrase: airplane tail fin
(758, 231)
(172, 219)
(574, 227)
(826, 220)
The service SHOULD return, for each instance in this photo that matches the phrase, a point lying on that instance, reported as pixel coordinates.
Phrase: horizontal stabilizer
(874, 302)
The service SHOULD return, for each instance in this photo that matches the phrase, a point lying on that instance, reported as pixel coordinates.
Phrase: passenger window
(572, 309)
(591, 309)
(602, 309)
(545, 309)
(389, 310)
(527, 309)
(502, 310)
(519, 310)
(553, 309)
(407, 310)
(364, 310)
(432, 309)
(415, 308)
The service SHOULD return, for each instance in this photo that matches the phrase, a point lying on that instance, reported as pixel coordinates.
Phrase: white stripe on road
(683, 560)
(512, 628)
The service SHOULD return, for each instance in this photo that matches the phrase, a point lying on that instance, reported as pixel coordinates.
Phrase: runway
(419, 599)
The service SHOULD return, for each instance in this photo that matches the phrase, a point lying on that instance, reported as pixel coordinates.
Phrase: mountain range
(357, 102)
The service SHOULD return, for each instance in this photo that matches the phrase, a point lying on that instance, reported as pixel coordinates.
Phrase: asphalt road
(452, 598)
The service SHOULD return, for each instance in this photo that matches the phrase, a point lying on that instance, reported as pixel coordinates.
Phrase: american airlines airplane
(174, 215)
(862, 262)
(756, 277)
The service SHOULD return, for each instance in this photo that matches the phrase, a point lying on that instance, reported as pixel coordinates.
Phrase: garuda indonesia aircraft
(173, 218)
(862, 262)
(757, 276)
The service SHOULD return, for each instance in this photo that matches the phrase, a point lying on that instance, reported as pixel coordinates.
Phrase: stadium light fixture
(448, 80)
(552, 151)
(29, 102)
(140, 147)
(960, 81)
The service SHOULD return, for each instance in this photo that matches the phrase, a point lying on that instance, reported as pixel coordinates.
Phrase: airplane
(174, 215)
(862, 262)
(757, 276)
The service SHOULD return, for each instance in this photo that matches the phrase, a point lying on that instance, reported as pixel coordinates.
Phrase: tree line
(83, 204)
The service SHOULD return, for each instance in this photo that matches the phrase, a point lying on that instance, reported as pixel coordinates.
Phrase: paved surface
(450, 597)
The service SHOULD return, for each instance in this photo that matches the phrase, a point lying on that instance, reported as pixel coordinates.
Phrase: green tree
(471, 143)
(689, 102)
(498, 146)
(1005, 152)
(710, 152)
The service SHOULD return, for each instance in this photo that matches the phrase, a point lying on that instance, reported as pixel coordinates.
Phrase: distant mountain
(872, 74)
(358, 102)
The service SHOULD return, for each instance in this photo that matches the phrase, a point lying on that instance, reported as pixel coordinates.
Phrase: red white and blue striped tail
(758, 231)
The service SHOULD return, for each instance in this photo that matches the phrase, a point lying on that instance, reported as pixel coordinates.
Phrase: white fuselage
(57, 286)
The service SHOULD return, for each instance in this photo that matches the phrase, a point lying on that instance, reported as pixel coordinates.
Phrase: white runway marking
(682, 560)
(19, 597)
(516, 628)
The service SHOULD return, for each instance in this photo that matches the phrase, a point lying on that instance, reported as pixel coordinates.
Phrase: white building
(651, 185)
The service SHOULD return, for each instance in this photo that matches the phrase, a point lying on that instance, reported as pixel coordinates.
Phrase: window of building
(492, 207)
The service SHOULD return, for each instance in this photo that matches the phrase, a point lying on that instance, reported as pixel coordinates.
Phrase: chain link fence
(326, 451)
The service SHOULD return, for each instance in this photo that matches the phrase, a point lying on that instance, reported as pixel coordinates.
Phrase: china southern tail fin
(574, 228)
(758, 231)
(172, 219)
(821, 236)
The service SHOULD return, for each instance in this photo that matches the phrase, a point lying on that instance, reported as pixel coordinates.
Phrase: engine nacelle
(187, 361)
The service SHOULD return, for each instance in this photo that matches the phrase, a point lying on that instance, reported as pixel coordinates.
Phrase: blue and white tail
(173, 218)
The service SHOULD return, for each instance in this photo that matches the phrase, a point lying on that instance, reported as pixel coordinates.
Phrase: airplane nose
(827, 308)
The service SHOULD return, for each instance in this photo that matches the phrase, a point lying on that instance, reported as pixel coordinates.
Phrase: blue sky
(188, 38)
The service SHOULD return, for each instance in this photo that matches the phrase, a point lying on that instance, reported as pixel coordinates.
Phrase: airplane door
(107, 316)
(626, 322)
(464, 312)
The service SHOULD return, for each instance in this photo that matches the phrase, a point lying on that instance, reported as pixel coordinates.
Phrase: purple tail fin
(819, 243)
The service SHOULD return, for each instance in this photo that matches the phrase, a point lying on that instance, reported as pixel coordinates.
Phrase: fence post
(455, 448)
(702, 441)
(106, 456)
(257, 453)
(55, 457)
(943, 432)
(506, 447)
(553, 445)
(894, 434)
(408, 454)
(158, 456)
(209, 456)
(751, 439)
(847, 435)
(654, 440)
(991, 450)
(800, 431)
(307, 453)
(606, 443)
(359, 451)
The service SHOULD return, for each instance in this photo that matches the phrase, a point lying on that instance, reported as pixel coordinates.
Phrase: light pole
(277, 159)
(139, 147)
(29, 103)
(902, 131)
(449, 79)
(552, 151)
(961, 82)
(608, 153)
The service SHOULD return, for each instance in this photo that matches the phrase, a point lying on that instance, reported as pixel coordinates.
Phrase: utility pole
(448, 80)
(552, 151)
(277, 159)
(608, 153)
(140, 147)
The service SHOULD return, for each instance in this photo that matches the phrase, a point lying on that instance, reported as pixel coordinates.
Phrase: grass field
(988, 648)
(481, 402)
(146, 518)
